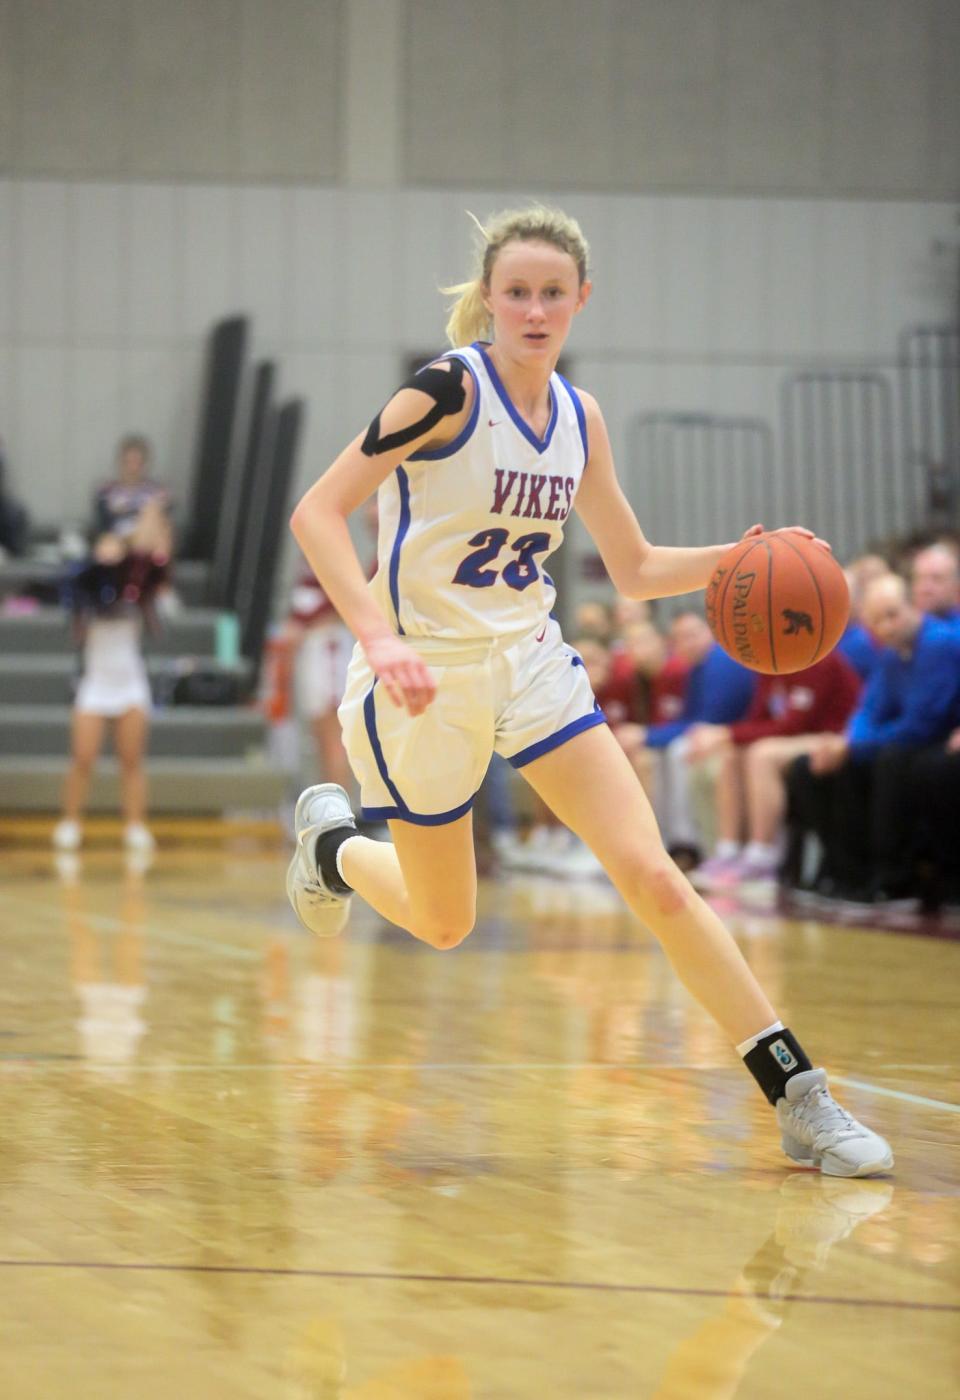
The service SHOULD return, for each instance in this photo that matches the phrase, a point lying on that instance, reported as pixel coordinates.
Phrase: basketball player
(478, 460)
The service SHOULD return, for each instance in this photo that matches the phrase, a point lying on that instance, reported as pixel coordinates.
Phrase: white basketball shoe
(320, 808)
(817, 1132)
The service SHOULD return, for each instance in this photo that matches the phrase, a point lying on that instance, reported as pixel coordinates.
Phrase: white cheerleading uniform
(114, 675)
(465, 531)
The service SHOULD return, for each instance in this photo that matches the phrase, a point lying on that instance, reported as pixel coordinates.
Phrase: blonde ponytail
(469, 319)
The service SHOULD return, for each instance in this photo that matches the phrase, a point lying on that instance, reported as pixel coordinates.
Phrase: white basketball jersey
(465, 531)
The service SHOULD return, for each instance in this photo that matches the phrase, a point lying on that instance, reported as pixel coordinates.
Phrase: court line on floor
(114, 925)
(896, 1094)
(455, 1067)
(482, 1280)
(327, 1067)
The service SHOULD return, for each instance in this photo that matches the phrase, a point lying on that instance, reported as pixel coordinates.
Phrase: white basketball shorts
(520, 698)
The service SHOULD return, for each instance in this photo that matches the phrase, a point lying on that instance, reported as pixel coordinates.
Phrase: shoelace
(818, 1104)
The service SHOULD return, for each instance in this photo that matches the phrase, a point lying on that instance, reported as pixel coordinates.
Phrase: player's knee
(655, 884)
(444, 933)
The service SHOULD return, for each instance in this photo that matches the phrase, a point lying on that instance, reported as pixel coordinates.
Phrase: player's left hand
(788, 530)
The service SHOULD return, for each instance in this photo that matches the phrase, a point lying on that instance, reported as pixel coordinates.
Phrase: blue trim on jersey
(553, 741)
(581, 416)
(403, 525)
(384, 814)
(541, 444)
(401, 811)
(466, 432)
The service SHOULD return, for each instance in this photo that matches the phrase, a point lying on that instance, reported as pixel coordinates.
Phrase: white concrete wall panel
(9, 261)
(40, 453)
(265, 241)
(792, 325)
(209, 241)
(316, 254)
(95, 415)
(98, 260)
(372, 272)
(152, 265)
(44, 251)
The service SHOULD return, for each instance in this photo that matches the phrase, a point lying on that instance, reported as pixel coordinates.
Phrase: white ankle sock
(745, 1046)
(340, 850)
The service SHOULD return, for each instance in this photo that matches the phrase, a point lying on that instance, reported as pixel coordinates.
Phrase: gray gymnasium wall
(829, 97)
(772, 191)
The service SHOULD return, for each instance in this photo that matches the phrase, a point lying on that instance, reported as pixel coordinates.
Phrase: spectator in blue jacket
(850, 788)
(935, 582)
(719, 691)
(857, 645)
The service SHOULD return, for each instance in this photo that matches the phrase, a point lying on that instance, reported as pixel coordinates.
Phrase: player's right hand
(403, 674)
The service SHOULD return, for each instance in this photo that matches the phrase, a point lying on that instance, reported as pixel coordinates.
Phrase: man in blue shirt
(850, 789)
(719, 691)
(935, 582)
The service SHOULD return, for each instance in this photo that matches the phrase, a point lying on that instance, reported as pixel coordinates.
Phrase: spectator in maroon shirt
(787, 715)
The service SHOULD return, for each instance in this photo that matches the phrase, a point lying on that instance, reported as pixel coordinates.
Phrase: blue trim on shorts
(401, 812)
(581, 416)
(466, 432)
(553, 741)
(403, 482)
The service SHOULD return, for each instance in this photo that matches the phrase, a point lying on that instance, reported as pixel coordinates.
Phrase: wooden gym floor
(239, 1162)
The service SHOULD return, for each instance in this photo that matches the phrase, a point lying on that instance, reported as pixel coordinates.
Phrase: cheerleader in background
(110, 597)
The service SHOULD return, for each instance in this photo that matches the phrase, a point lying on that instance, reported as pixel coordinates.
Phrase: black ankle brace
(774, 1059)
(327, 847)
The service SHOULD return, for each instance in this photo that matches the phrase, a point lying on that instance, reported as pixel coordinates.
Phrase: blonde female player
(478, 460)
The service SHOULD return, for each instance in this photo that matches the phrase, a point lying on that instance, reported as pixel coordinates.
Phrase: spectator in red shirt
(787, 715)
(660, 676)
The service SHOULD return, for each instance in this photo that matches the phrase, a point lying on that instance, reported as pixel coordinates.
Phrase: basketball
(777, 603)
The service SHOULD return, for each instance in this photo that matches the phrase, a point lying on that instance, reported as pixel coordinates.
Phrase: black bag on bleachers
(207, 685)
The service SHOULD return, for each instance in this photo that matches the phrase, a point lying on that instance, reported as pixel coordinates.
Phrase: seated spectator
(659, 675)
(131, 512)
(718, 691)
(593, 618)
(930, 813)
(856, 644)
(751, 757)
(626, 613)
(935, 582)
(848, 790)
